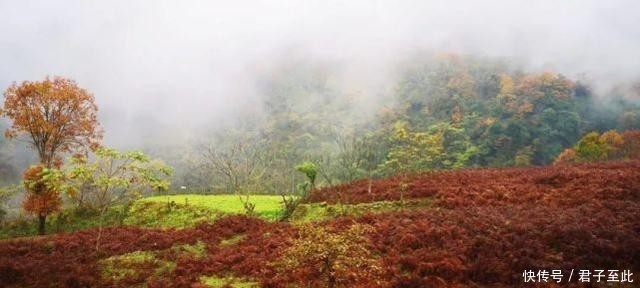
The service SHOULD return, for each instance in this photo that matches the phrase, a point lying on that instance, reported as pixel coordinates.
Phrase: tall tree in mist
(53, 116)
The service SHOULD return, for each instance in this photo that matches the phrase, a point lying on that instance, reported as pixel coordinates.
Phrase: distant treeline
(444, 112)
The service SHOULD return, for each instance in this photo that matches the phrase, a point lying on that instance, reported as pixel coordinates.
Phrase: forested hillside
(443, 111)
(314, 143)
(439, 111)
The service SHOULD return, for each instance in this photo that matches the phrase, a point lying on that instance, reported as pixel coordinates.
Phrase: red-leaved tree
(42, 199)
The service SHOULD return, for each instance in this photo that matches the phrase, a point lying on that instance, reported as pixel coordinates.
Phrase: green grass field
(187, 210)
(267, 206)
(153, 212)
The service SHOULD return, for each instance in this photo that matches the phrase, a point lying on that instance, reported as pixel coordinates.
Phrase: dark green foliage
(308, 169)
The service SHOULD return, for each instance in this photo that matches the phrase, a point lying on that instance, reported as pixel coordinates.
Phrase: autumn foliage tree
(54, 116)
(609, 145)
(413, 151)
(42, 198)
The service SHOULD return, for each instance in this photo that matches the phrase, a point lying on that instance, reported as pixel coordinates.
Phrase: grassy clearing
(322, 211)
(181, 211)
(267, 206)
(177, 211)
(160, 215)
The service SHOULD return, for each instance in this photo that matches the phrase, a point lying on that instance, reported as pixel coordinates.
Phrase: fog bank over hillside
(163, 70)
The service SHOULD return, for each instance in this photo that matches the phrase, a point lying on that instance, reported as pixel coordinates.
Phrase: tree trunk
(102, 211)
(41, 221)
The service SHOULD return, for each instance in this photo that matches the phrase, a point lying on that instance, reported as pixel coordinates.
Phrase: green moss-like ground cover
(267, 206)
(217, 282)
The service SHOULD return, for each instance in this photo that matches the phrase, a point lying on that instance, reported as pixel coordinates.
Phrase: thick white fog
(160, 69)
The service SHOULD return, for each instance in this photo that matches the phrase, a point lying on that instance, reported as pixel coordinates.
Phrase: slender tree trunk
(102, 211)
(41, 224)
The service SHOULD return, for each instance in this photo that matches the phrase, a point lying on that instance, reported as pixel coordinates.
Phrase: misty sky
(176, 65)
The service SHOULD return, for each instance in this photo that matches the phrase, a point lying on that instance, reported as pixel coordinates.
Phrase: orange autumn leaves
(54, 115)
(41, 199)
(609, 145)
